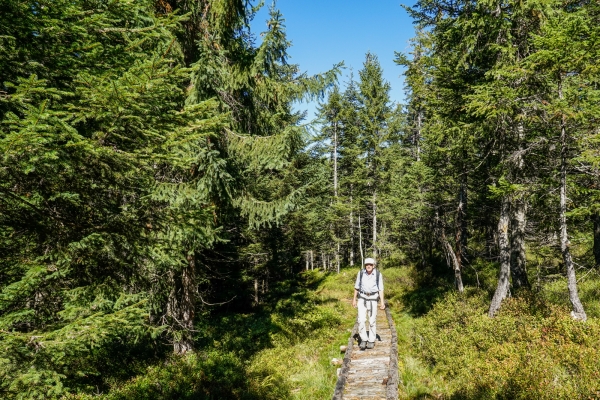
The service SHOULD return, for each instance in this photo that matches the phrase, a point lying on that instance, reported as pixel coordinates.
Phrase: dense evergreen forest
(170, 225)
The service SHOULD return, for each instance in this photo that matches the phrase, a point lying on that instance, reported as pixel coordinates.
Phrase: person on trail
(368, 290)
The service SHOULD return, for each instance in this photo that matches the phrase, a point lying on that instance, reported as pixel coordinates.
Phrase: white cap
(369, 261)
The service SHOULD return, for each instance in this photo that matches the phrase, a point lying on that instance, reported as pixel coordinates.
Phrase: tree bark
(360, 244)
(518, 219)
(337, 257)
(351, 234)
(451, 258)
(504, 258)
(255, 291)
(578, 312)
(417, 138)
(596, 221)
(517, 243)
(461, 223)
(181, 307)
(375, 252)
(335, 157)
(335, 192)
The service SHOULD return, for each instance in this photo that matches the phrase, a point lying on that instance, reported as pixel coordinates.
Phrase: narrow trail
(373, 373)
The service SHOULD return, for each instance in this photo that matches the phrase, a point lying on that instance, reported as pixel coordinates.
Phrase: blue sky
(326, 32)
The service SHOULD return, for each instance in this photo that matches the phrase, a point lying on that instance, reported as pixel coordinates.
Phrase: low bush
(281, 351)
(532, 350)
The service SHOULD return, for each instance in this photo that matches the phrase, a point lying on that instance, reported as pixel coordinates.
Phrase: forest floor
(447, 346)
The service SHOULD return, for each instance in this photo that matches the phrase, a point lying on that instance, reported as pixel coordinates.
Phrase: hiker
(368, 289)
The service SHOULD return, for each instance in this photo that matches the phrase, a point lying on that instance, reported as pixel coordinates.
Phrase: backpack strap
(376, 279)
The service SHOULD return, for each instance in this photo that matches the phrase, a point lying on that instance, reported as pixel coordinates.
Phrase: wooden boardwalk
(373, 373)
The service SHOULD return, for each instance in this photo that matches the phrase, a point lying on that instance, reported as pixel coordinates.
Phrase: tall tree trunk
(375, 252)
(461, 222)
(335, 192)
(360, 243)
(337, 257)
(504, 246)
(578, 312)
(596, 221)
(351, 233)
(518, 218)
(517, 244)
(312, 261)
(181, 306)
(335, 157)
(255, 291)
(451, 258)
(417, 138)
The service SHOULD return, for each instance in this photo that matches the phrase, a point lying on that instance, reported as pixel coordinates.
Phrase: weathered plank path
(373, 373)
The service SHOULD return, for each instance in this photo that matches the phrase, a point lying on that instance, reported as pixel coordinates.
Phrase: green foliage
(127, 159)
(279, 351)
(533, 349)
(206, 375)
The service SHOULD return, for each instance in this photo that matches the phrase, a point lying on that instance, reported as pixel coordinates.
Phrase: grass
(448, 347)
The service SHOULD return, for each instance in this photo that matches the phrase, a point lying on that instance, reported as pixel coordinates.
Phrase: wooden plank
(367, 374)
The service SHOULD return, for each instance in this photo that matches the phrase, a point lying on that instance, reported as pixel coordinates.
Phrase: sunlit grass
(306, 365)
(447, 345)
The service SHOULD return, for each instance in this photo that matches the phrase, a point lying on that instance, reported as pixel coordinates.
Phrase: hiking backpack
(376, 278)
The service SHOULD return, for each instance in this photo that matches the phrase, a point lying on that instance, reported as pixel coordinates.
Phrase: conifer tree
(566, 95)
(119, 176)
(88, 121)
(374, 113)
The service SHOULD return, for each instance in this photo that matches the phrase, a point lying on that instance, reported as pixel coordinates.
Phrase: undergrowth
(281, 351)
(532, 349)
(448, 348)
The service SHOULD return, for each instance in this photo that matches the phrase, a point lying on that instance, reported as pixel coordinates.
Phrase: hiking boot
(362, 345)
(370, 345)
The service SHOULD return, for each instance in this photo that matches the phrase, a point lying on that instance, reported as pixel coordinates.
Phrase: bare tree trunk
(337, 257)
(323, 261)
(417, 138)
(335, 157)
(256, 291)
(578, 312)
(312, 261)
(335, 190)
(306, 258)
(504, 246)
(461, 222)
(596, 221)
(518, 268)
(375, 225)
(351, 230)
(360, 244)
(517, 244)
(181, 306)
(451, 258)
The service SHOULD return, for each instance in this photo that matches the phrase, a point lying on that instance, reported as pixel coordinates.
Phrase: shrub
(531, 350)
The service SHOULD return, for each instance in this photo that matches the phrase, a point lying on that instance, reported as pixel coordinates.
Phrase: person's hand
(354, 303)
(382, 306)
